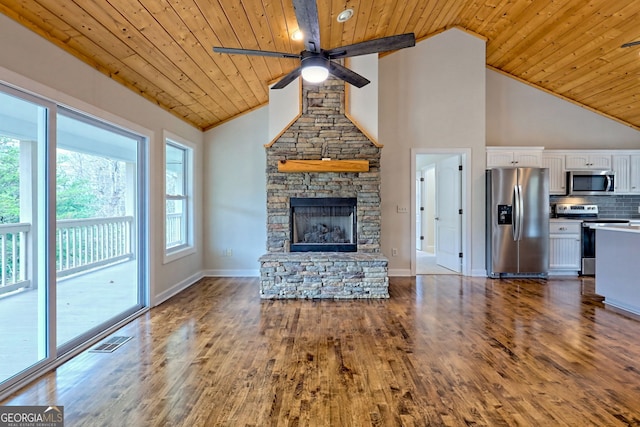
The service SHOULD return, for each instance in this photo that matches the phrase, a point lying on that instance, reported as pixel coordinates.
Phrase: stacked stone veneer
(323, 130)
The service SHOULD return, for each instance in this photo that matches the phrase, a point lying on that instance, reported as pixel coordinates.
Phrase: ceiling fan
(316, 63)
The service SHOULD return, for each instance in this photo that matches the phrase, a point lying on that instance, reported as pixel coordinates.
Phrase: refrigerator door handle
(520, 213)
(514, 217)
(517, 214)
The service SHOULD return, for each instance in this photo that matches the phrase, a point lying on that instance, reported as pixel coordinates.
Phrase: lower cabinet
(564, 247)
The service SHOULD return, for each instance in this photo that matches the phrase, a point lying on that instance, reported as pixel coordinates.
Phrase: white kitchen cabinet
(564, 247)
(557, 172)
(634, 174)
(514, 157)
(588, 160)
(622, 170)
(626, 166)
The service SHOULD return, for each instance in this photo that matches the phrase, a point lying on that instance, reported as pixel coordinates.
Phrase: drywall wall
(289, 102)
(519, 114)
(34, 65)
(431, 96)
(362, 104)
(236, 195)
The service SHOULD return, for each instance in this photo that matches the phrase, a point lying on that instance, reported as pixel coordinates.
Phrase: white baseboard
(479, 273)
(399, 272)
(568, 273)
(176, 289)
(231, 273)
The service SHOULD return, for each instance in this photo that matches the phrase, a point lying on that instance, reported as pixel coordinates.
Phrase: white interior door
(419, 209)
(448, 217)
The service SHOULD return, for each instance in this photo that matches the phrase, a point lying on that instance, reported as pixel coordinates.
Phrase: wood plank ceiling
(162, 48)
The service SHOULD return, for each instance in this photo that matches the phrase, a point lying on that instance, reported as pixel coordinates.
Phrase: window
(178, 199)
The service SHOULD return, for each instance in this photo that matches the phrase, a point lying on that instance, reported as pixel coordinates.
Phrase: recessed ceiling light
(297, 35)
(345, 15)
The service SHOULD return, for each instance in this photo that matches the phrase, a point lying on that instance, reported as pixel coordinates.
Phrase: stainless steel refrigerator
(517, 222)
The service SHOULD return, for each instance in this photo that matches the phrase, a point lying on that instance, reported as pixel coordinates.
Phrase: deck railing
(175, 230)
(13, 247)
(81, 244)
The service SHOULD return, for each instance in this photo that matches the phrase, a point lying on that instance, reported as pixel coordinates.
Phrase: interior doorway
(439, 206)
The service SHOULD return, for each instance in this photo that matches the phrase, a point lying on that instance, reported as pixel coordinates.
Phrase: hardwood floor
(443, 350)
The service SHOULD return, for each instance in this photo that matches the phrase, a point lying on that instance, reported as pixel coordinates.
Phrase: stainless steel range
(588, 214)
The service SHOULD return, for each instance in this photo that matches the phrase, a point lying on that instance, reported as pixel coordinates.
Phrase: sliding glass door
(72, 251)
(97, 233)
(25, 296)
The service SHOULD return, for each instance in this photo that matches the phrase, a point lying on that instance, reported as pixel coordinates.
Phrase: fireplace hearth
(325, 224)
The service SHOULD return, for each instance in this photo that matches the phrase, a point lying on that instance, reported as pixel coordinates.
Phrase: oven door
(590, 183)
(588, 241)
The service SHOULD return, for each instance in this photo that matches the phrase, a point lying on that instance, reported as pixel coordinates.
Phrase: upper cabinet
(554, 161)
(514, 157)
(626, 166)
(622, 170)
(588, 160)
(634, 174)
(624, 163)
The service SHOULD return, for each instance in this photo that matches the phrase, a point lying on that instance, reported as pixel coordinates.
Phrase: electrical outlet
(394, 252)
(402, 209)
(227, 252)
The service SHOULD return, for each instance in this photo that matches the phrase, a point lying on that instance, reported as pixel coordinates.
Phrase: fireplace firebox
(326, 224)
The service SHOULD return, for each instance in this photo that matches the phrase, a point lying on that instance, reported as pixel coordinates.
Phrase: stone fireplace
(323, 227)
(323, 224)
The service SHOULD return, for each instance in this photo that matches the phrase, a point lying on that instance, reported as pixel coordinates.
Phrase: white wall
(363, 102)
(33, 64)
(518, 114)
(431, 96)
(236, 195)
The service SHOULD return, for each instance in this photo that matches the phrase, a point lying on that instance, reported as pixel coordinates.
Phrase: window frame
(187, 248)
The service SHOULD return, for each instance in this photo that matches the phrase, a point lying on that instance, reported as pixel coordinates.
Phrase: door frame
(465, 196)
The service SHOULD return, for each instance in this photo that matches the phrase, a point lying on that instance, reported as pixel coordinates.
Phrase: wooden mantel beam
(323, 166)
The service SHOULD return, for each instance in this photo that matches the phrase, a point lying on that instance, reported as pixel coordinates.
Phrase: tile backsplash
(622, 206)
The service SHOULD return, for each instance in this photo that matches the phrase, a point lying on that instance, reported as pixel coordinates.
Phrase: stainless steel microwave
(590, 182)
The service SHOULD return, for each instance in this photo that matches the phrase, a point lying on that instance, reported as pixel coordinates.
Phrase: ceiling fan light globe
(315, 73)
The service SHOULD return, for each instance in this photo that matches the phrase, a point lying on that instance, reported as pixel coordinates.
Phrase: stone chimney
(323, 130)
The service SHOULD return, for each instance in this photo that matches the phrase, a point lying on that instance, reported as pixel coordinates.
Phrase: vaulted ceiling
(161, 49)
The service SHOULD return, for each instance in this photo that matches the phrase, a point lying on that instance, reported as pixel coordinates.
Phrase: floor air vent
(110, 345)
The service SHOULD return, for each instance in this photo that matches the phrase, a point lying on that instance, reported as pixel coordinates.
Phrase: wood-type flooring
(442, 351)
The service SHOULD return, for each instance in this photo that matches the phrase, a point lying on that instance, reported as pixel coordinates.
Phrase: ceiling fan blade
(233, 51)
(347, 75)
(631, 44)
(383, 44)
(287, 79)
(307, 16)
